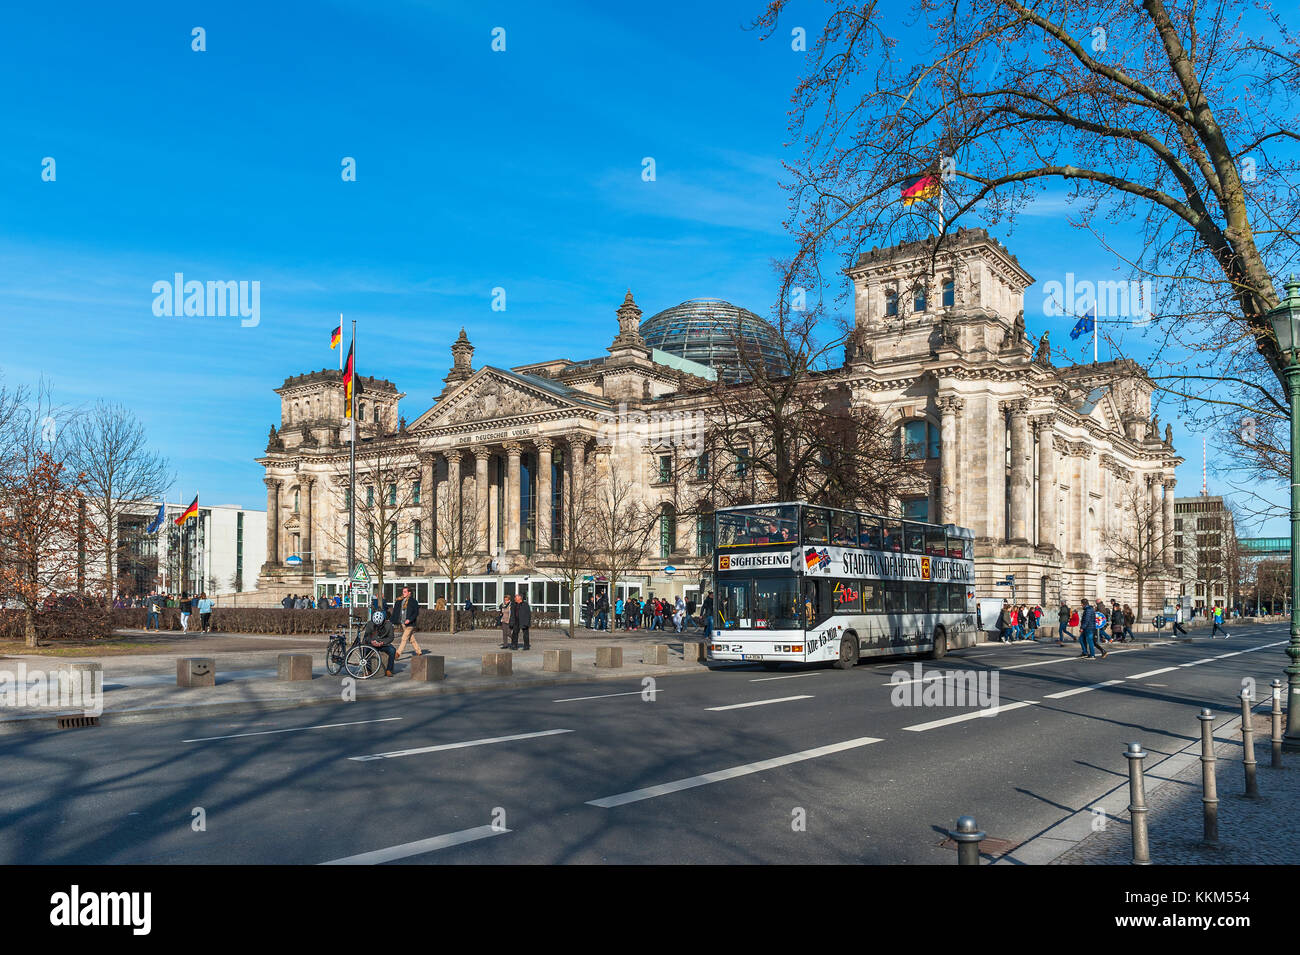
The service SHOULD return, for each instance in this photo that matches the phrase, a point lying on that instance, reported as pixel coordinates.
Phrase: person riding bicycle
(379, 634)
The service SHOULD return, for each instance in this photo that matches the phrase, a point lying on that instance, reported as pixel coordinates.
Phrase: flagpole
(1094, 335)
(340, 343)
(352, 478)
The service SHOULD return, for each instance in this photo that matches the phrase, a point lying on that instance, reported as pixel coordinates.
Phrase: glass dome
(713, 332)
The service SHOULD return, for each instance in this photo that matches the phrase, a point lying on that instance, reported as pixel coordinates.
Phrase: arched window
(918, 299)
(361, 409)
(891, 302)
(375, 412)
(949, 294)
(920, 440)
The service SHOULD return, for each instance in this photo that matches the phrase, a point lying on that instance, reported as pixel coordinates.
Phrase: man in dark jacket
(602, 612)
(706, 615)
(379, 634)
(287, 602)
(1063, 624)
(408, 613)
(1088, 632)
(520, 621)
(469, 613)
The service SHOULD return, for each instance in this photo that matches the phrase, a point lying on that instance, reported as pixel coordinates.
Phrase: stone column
(272, 520)
(308, 537)
(429, 502)
(950, 409)
(577, 464)
(543, 501)
(1046, 483)
(511, 513)
(453, 489)
(1168, 522)
(1019, 529)
(481, 503)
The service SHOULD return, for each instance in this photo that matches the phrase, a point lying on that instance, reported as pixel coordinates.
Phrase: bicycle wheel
(363, 662)
(334, 656)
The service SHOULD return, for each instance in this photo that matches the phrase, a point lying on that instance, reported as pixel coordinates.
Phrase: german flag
(350, 382)
(336, 337)
(926, 187)
(191, 511)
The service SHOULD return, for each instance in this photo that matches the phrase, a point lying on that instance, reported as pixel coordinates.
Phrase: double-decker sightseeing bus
(802, 584)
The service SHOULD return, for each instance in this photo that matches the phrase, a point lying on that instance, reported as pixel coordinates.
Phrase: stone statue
(1044, 354)
(401, 423)
(1018, 327)
(1169, 435)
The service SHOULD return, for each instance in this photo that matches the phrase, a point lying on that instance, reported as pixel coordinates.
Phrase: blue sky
(475, 170)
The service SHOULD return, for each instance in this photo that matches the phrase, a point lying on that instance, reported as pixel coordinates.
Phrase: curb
(172, 712)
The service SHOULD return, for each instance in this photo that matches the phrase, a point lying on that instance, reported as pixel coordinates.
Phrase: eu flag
(1086, 324)
(157, 521)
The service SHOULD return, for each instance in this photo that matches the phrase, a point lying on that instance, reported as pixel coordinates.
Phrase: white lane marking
(792, 676)
(741, 706)
(603, 696)
(417, 848)
(1138, 676)
(1232, 654)
(1041, 663)
(1080, 689)
(445, 746)
(978, 714)
(720, 775)
(292, 729)
(1196, 663)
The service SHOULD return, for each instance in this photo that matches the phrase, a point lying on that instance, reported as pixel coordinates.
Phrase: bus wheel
(848, 654)
(940, 643)
(771, 665)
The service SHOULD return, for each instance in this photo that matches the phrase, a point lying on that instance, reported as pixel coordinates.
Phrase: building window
(665, 468)
(742, 461)
(376, 414)
(347, 497)
(415, 538)
(702, 466)
(370, 497)
(361, 409)
(667, 531)
(295, 500)
(415, 491)
(920, 440)
(392, 495)
(917, 509)
(239, 552)
(949, 295)
(891, 302)
(704, 535)
(392, 542)
(370, 535)
(918, 299)
(297, 545)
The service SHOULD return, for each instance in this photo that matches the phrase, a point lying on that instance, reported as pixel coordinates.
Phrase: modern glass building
(716, 334)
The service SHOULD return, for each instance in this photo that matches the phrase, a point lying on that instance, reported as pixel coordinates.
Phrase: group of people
(1018, 622)
(188, 604)
(1093, 622)
(307, 602)
(632, 613)
(516, 620)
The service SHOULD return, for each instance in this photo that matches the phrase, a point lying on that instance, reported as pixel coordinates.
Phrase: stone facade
(1035, 458)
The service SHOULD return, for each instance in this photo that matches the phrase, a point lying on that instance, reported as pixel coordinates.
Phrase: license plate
(751, 656)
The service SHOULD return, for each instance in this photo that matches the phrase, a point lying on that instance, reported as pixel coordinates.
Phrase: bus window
(733, 605)
(967, 550)
(915, 538)
(816, 601)
(957, 598)
(954, 547)
(938, 598)
(844, 529)
(846, 596)
(776, 604)
(774, 525)
(873, 598)
(893, 539)
(916, 598)
(814, 526)
(934, 542)
(869, 533)
(895, 601)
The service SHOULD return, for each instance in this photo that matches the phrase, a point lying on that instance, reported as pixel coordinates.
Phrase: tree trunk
(29, 619)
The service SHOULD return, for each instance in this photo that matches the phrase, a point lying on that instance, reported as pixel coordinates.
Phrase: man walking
(408, 613)
(1218, 624)
(1063, 624)
(205, 612)
(185, 613)
(520, 622)
(152, 618)
(1088, 632)
(469, 613)
(602, 612)
(507, 614)
(1178, 621)
(706, 615)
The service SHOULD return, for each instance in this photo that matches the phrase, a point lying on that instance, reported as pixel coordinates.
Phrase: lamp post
(1285, 320)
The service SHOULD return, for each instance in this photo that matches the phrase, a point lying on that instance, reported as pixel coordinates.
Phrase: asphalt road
(598, 773)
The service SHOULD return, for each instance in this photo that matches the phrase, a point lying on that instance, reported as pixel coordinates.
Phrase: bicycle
(361, 662)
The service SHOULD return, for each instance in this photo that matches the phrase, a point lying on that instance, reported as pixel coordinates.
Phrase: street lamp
(1285, 320)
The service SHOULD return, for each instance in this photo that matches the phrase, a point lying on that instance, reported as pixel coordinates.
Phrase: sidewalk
(143, 687)
(1251, 831)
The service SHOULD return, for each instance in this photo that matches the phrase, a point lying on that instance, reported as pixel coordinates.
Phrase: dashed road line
(741, 706)
(408, 849)
(978, 714)
(463, 745)
(292, 729)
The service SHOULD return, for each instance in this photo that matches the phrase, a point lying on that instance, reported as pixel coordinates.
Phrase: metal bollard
(1248, 744)
(1277, 724)
(968, 839)
(1137, 804)
(1210, 799)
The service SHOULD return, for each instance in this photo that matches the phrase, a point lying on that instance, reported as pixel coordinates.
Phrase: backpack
(1074, 618)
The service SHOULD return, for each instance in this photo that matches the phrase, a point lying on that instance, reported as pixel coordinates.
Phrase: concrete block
(557, 661)
(428, 669)
(196, 671)
(609, 656)
(693, 651)
(498, 663)
(80, 683)
(293, 666)
(655, 653)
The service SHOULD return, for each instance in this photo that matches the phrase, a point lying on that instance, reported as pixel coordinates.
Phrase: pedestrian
(408, 615)
(1064, 621)
(1129, 619)
(185, 613)
(706, 615)
(618, 613)
(1178, 621)
(1218, 624)
(1088, 632)
(1004, 624)
(378, 633)
(287, 602)
(507, 612)
(469, 613)
(1117, 624)
(205, 612)
(151, 620)
(602, 612)
(520, 621)
(658, 623)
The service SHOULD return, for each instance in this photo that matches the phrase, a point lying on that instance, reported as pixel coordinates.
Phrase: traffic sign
(293, 560)
(361, 574)
(1003, 583)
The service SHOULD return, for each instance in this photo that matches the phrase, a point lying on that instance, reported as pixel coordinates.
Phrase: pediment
(490, 396)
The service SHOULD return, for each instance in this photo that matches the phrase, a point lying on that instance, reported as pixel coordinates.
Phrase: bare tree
(108, 446)
(577, 548)
(456, 543)
(620, 521)
(1135, 546)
